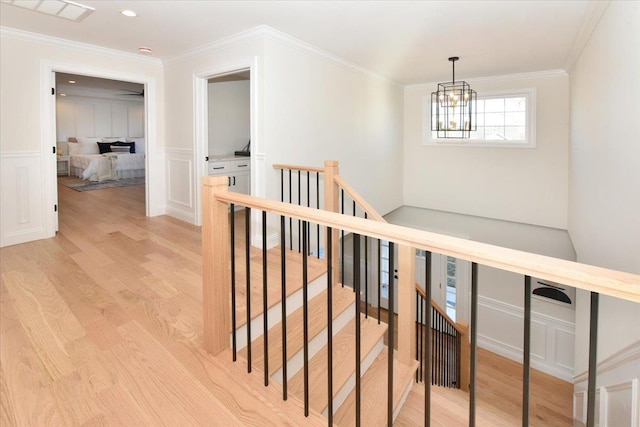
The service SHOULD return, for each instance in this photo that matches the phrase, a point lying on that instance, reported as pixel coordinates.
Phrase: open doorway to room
(225, 129)
(229, 129)
(100, 140)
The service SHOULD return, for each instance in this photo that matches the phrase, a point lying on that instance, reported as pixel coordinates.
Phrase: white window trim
(530, 130)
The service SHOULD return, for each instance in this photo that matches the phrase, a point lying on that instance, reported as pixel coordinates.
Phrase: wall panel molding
(617, 384)
(21, 198)
(552, 340)
(180, 185)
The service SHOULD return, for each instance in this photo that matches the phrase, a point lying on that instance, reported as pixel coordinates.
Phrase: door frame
(48, 137)
(201, 129)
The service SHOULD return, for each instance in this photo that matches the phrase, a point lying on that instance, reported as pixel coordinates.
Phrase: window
(504, 119)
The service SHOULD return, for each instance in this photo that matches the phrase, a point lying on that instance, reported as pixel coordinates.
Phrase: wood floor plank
(47, 319)
(164, 389)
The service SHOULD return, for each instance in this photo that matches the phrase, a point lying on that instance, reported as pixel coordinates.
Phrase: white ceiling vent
(65, 9)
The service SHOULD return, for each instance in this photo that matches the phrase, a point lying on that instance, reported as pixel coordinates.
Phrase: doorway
(450, 281)
(153, 202)
(210, 143)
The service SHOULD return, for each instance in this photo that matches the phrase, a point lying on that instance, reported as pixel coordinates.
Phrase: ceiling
(406, 41)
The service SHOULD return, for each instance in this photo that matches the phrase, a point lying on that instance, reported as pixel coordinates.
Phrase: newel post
(406, 304)
(331, 170)
(216, 263)
(465, 356)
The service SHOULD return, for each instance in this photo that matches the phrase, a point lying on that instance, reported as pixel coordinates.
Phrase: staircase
(373, 351)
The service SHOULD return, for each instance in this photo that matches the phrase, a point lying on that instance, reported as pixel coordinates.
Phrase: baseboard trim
(180, 214)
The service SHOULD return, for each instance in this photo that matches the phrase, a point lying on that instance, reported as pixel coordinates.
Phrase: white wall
(229, 116)
(29, 171)
(513, 184)
(319, 108)
(80, 116)
(309, 107)
(604, 177)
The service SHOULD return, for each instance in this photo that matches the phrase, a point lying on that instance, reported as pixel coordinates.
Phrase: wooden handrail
(591, 278)
(437, 308)
(371, 212)
(299, 168)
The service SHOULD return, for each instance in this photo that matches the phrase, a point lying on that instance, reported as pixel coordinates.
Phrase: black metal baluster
(593, 360)
(247, 244)
(379, 276)
(318, 206)
(342, 240)
(419, 372)
(366, 274)
(234, 344)
(391, 341)
(474, 344)
(458, 361)
(353, 213)
(427, 340)
(433, 342)
(299, 222)
(329, 326)
(308, 201)
(282, 185)
(265, 302)
(305, 315)
(290, 219)
(283, 303)
(356, 288)
(439, 348)
(526, 351)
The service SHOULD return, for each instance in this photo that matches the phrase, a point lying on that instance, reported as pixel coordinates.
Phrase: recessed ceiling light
(129, 13)
(72, 81)
(145, 50)
(63, 94)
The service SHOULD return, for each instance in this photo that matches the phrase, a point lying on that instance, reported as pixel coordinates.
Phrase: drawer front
(218, 168)
(228, 166)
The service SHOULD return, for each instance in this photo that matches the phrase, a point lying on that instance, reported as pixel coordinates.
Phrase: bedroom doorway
(88, 119)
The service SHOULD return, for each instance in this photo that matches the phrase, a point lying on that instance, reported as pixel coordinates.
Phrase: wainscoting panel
(22, 198)
(180, 191)
(500, 330)
(617, 396)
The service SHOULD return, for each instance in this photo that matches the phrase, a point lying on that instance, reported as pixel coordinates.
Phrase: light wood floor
(102, 325)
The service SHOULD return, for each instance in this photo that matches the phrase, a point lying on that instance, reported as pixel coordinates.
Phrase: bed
(85, 161)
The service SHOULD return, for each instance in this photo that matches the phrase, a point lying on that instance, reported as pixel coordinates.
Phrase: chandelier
(453, 108)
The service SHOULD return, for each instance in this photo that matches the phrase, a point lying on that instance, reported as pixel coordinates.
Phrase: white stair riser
(296, 362)
(346, 389)
(274, 314)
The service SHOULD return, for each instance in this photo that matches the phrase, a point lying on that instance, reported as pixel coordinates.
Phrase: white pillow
(91, 139)
(88, 148)
(113, 139)
(139, 143)
(73, 148)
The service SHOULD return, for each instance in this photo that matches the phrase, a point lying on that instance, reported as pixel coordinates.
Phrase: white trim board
(263, 32)
(71, 44)
(592, 19)
(625, 355)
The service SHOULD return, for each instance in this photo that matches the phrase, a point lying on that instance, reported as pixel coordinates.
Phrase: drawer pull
(219, 167)
(242, 166)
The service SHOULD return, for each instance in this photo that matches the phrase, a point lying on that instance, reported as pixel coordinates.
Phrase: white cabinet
(236, 169)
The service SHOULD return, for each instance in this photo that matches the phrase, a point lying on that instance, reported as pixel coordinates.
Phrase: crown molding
(265, 32)
(505, 77)
(290, 41)
(592, 19)
(252, 34)
(70, 44)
